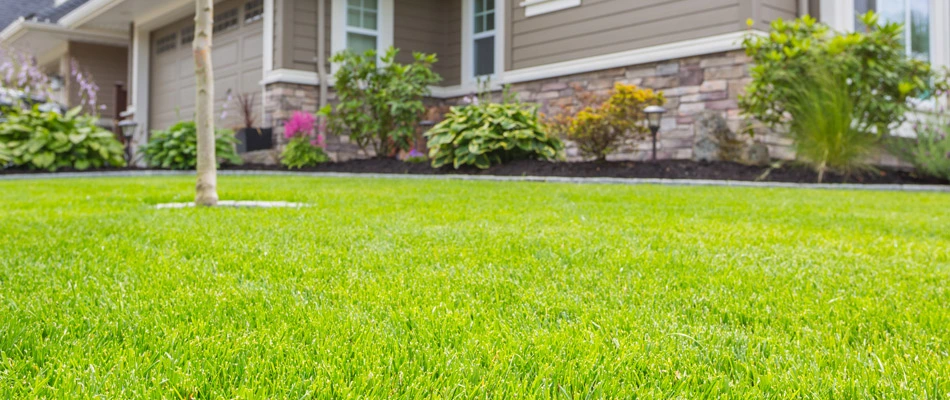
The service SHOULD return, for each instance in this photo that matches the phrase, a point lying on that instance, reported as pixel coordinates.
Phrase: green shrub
(490, 133)
(598, 129)
(823, 127)
(302, 152)
(50, 140)
(380, 101)
(177, 147)
(929, 152)
(881, 77)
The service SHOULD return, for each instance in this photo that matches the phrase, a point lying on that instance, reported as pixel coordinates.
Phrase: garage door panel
(238, 65)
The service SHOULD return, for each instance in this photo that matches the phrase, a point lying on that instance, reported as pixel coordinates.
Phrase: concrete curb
(494, 178)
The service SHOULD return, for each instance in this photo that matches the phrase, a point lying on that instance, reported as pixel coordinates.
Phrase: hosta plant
(48, 140)
(177, 147)
(486, 134)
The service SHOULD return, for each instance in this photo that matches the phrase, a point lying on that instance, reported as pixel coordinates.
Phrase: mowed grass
(446, 289)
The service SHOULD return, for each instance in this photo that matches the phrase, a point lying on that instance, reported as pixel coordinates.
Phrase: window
(253, 11)
(484, 37)
(166, 43)
(187, 35)
(362, 25)
(914, 14)
(225, 20)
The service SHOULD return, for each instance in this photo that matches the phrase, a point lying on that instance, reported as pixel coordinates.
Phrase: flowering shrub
(598, 129)
(380, 99)
(306, 146)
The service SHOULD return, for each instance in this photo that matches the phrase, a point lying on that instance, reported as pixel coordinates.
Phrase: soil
(665, 169)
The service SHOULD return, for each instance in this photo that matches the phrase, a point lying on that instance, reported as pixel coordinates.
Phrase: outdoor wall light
(128, 128)
(654, 118)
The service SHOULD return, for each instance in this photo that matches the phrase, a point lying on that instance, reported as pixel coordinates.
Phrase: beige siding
(773, 9)
(296, 42)
(107, 65)
(431, 26)
(600, 27)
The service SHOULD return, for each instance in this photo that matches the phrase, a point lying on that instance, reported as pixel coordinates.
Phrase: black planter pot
(254, 139)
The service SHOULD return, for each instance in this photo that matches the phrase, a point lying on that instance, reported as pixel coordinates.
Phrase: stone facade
(692, 86)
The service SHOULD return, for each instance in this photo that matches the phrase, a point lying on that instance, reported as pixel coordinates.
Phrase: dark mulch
(667, 169)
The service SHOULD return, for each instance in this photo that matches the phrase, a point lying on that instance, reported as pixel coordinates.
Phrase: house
(548, 50)
(32, 26)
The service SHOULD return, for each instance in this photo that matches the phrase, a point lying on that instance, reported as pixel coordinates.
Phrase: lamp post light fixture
(128, 128)
(654, 118)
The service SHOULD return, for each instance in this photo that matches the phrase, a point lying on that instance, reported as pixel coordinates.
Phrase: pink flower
(300, 123)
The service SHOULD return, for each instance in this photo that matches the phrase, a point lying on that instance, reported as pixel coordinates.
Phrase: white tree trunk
(206, 193)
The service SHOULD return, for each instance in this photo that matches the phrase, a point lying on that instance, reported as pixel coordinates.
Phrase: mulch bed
(665, 169)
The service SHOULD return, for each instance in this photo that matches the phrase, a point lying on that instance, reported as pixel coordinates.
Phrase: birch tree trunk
(206, 193)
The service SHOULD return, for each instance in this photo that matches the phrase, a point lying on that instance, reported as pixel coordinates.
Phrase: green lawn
(447, 289)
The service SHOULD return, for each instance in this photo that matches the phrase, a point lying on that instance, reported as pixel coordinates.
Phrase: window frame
(468, 42)
(908, 28)
(340, 27)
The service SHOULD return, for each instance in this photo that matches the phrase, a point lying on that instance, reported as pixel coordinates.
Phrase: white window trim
(538, 7)
(468, 42)
(383, 33)
(840, 15)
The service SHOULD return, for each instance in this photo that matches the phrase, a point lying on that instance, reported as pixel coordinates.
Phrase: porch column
(838, 14)
(141, 49)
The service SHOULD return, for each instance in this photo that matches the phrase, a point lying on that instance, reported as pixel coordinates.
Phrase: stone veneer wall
(691, 85)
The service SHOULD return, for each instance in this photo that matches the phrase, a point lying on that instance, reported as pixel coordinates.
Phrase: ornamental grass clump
(601, 125)
(929, 151)
(824, 127)
(306, 146)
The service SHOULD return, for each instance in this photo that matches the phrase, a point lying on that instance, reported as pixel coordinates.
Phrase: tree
(206, 193)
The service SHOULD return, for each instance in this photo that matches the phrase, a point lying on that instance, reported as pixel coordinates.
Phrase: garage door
(236, 57)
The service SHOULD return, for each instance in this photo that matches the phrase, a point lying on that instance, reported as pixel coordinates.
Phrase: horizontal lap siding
(296, 41)
(600, 27)
(107, 65)
(430, 26)
(773, 9)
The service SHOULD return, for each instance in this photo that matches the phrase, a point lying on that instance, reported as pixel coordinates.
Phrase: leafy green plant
(490, 133)
(824, 125)
(601, 125)
(881, 78)
(177, 148)
(380, 100)
(302, 152)
(49, 140)
(929, 152)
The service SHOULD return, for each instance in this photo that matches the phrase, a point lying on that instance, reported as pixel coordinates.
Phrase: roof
(38, 10)
(55, 13)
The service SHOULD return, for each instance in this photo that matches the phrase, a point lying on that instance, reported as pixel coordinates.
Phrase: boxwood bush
(177, 147)
(490, 133)
(37, 139)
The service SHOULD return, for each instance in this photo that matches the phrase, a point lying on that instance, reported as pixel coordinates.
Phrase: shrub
(598, 129)
(929, 152)
(490, 133)
(305, 148)
(50, 140)
(881, 78)
(823, 126)
(380, 101)
(177, 147)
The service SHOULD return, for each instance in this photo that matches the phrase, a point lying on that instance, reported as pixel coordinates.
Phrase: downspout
(322, 51)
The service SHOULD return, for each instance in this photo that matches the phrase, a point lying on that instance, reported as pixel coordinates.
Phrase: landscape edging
(499, 178)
